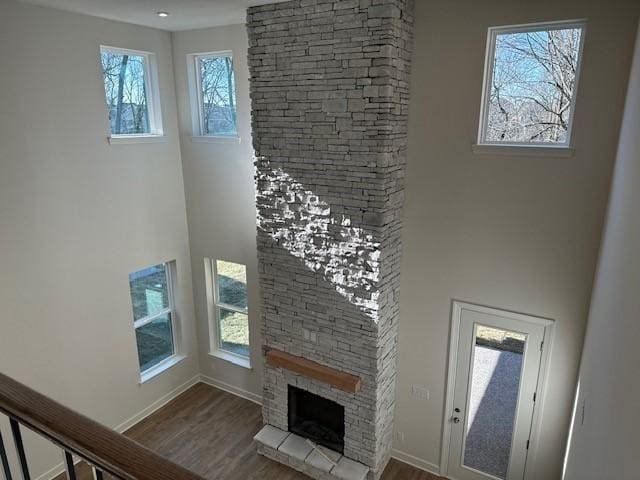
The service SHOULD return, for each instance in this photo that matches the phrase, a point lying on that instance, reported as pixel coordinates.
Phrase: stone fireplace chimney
(330, 93)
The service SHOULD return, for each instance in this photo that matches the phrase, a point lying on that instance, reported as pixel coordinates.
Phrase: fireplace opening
(316, 418)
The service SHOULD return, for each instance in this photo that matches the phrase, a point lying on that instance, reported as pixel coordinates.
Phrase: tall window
(131, 92)
(214, 94)
(227, 295)
(153, 315)
(531, 79)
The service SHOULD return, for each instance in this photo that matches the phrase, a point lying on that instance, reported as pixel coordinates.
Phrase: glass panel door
(493, 398)
(495, 375)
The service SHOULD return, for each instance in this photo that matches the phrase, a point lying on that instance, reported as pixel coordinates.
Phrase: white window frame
(152, 87)
(484, 146)
(176, 357)
(457, 308)
(195, 95)
(213, 309)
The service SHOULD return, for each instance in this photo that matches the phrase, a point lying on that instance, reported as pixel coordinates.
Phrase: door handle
(456, 419)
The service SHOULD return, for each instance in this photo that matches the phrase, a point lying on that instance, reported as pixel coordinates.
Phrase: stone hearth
(330, 93)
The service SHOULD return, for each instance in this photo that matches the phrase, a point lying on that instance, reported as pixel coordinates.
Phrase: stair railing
(105, 450)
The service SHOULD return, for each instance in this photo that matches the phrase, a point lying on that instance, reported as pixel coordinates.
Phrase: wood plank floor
(211, 433)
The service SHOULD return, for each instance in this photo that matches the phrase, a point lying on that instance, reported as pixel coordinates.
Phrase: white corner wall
(519, 233)
(220, 195)
(604, 439)
(77, 215)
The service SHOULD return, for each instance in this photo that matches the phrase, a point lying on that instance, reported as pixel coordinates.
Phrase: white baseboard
(127, 424)
(416, 462)
(239, 392)
(157, 405)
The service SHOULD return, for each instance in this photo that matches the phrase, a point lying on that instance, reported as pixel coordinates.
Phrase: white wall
(517, 233)
(220, 192)
(77, 215)
(606, 444)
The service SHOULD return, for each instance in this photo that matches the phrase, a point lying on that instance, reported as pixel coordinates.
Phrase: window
(131, 91)
(227, 299)
(531, 77)
(153, 315)
(213, 88)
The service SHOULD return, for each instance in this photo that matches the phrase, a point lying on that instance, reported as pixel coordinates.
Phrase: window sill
(230, 357)
(523, 150)
(129, 139)
(215, 139)
(161, 367)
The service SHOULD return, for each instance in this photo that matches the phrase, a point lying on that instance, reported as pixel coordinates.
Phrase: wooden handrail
(102, 447)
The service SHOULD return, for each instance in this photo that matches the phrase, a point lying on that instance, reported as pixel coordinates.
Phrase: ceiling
(184, 14)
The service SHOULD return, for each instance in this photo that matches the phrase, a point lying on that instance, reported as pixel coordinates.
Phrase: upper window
(227, 293)
(153, 315)
(131, 92)
(531, 78)
(214, 95)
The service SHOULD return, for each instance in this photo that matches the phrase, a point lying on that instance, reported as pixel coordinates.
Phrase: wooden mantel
(308, 368)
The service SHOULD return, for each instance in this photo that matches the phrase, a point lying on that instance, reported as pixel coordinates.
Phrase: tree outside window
(217, 95)
(127, 86)
(532, 87)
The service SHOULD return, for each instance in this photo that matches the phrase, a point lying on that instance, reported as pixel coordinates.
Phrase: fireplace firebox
(316, 418)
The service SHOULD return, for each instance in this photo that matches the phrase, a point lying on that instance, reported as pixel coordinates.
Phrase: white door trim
(457, 307)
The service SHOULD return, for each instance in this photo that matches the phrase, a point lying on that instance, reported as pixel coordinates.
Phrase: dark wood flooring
(211, 433)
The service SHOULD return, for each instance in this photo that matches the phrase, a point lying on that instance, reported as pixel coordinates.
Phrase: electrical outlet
(421, 393)
(310, 335)
(400, 437)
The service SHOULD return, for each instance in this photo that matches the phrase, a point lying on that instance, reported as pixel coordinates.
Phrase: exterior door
(494, 391)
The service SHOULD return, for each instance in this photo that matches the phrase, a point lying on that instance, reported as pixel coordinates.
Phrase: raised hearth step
(298, 447)
(347, 469)
(317, 460)
(271, 436)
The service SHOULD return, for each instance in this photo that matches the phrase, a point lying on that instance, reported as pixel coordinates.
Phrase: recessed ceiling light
(163, 14)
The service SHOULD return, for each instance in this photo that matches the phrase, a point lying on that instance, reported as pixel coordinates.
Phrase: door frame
(457, 307)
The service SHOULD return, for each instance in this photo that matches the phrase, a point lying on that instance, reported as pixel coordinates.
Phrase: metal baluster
(98, 474)
(5, 460)
(17, 438)
(71, 468)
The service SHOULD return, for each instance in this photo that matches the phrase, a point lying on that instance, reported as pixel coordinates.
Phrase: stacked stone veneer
(330, 93)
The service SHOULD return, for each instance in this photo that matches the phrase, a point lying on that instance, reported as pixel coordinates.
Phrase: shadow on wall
(344, 255)
(492, 408)
(346, 336)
